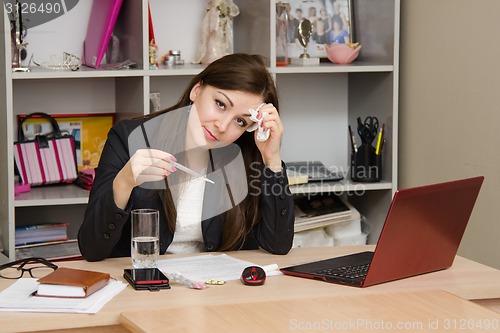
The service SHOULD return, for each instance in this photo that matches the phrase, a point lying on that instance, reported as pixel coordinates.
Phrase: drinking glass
(145, 238)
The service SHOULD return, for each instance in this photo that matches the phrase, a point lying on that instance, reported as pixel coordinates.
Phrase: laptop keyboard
(350, 272)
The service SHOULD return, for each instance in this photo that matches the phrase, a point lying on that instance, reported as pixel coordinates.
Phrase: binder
(102, 21)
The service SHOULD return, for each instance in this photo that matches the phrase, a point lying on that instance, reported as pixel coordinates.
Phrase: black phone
(146, 278)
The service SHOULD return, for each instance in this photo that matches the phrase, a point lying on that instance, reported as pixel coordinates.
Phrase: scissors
(368, 129)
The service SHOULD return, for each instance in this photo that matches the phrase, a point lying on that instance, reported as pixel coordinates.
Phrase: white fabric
(188, 237)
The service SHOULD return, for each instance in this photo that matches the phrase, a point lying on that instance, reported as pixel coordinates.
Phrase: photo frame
(331, 20)
(89, 130)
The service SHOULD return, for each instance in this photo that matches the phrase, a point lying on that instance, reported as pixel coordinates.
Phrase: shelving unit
(317, 102)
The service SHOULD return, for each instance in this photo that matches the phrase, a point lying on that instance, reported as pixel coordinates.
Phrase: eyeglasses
(35, 266)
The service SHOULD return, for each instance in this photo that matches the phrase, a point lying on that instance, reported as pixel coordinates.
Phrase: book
(102, 21)
(39, 233)
(62, 250)
(70, 282)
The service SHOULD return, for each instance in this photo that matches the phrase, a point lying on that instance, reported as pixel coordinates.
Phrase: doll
(217, 30)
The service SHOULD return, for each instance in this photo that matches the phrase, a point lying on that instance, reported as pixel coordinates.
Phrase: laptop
(421, 234)
(315, 171)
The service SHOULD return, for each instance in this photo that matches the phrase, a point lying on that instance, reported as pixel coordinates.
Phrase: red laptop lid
(423, 229)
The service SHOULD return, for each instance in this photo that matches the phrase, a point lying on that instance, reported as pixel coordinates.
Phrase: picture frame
(89, 130)
(323, 14)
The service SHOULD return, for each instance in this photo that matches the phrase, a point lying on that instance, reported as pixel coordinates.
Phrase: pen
(353, 143)
(191, 172)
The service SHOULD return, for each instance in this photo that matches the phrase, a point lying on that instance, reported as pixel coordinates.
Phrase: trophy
(305, 30)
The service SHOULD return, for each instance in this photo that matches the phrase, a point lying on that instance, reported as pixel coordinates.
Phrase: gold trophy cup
(305, 30)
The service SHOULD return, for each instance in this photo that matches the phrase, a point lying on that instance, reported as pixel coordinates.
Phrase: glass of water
(145, 238)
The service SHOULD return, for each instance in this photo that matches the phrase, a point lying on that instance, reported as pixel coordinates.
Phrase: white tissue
(262, 135)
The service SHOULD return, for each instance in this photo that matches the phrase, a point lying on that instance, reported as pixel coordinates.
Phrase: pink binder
(101, 24)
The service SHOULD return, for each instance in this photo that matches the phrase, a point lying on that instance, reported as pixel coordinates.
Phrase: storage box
(312, 238)
(359, 239)
(345, 229)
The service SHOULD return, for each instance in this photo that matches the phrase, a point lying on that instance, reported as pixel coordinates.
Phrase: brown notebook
(69, 282)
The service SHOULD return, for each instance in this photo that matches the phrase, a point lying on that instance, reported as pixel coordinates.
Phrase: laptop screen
(423, 229)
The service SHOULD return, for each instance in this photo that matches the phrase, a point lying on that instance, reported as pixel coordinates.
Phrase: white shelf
(186, 69)
(52, 195)
(332, 68)
(83, 72)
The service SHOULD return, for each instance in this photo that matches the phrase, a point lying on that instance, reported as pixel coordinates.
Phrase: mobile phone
(146, 278)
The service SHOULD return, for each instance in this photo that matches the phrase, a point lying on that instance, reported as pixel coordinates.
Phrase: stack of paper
(19, 297)
(321, 210)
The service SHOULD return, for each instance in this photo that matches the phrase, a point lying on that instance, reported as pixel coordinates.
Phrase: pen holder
(366, 165)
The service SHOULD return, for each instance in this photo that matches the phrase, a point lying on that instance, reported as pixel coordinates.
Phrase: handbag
(47, 159)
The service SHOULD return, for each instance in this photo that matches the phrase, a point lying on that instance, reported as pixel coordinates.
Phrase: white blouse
(188, 237)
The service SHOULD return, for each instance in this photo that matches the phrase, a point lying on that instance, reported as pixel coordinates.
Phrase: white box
(345, 228)
(359, 239)
(312, 238)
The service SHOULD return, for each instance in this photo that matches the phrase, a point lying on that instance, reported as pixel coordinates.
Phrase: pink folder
(101, 24)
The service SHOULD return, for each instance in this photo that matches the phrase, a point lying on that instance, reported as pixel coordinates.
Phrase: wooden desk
(467, 279)
(422, 311)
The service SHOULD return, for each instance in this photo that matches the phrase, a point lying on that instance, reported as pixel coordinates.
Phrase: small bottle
(282, 38)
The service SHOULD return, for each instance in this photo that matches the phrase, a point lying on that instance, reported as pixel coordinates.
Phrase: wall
(450, 107)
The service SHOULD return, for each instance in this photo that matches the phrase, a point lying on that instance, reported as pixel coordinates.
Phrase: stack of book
(49, 241)
(323, 210)
(64, 250)
(40, 233)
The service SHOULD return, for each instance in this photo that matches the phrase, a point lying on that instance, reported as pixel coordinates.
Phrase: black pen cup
(366, 165)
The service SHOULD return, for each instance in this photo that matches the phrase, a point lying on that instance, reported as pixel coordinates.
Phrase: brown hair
(242, 72)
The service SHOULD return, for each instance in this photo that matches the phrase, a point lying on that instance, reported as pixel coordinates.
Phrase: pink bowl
(342, 53)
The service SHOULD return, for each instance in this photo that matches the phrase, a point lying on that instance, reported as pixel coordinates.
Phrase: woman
(339, 34)
(213, 116)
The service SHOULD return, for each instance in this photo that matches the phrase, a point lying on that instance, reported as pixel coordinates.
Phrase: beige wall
(450, 107)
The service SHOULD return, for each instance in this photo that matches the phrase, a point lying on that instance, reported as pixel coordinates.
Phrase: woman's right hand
(149, 165)
(146, 165)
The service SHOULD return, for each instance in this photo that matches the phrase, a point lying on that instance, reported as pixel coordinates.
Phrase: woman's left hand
(270, 149)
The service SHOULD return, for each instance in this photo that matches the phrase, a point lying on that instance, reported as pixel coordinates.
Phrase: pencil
(379, 140)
